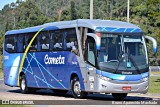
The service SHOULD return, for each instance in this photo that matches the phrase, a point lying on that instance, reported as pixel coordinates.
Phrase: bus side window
(43, 41)
(71, 41)
(10, 44)
(33, 46)
(57, 41)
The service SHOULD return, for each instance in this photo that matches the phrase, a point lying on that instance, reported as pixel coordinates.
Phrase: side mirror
(155, 46)
(97, 40)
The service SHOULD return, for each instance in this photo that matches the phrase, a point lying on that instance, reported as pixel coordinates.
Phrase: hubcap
(77, 88)
(23, 85)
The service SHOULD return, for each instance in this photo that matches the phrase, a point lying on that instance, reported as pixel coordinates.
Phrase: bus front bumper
(121, 87)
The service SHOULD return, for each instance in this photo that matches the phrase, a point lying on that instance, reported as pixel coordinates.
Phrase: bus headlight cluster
(103, 78)
(145, 79)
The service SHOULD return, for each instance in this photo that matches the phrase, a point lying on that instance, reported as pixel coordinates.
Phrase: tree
(73, 11)
(29, 15)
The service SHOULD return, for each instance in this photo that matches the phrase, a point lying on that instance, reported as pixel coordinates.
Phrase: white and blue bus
(84, 56)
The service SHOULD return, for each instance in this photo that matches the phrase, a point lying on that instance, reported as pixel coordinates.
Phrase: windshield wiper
(120, 55)
(126, 56)
(118, 62)
(134, 64)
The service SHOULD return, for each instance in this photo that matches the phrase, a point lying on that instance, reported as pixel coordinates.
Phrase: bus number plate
(126, 88)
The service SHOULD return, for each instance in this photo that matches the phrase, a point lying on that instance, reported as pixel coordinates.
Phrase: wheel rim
(23, 85)
(77, 88)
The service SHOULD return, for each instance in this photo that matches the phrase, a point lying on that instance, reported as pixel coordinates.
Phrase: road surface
(13, 93)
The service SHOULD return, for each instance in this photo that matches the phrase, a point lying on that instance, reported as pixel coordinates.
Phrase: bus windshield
(120, 52)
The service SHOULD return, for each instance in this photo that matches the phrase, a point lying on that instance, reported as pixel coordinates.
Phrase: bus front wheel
(119, 96)
(76, 91)
(23, 85)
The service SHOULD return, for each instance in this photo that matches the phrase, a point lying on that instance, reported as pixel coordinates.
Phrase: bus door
(91, 63)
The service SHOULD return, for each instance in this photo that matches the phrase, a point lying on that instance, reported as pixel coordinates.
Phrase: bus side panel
(51, 69)
(11, 68)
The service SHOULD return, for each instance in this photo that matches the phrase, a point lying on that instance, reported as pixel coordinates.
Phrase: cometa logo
(54, 60)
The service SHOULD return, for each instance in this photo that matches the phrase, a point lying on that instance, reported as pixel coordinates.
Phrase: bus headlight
(103, 78)
(145, 79)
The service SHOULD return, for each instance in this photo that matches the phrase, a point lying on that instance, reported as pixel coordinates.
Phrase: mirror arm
(155, 46)
(96, 38)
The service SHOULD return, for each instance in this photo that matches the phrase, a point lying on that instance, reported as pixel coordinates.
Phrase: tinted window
(57, 41)
(60, 40)
(10, 43)
(28, 39)
(43, 41)
(71, 42)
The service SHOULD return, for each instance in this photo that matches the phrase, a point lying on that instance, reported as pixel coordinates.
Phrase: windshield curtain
(122, 52)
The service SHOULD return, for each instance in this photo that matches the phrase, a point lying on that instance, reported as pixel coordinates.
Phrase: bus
(84, 56)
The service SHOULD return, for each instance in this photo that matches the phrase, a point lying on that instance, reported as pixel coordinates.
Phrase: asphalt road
(13, 93)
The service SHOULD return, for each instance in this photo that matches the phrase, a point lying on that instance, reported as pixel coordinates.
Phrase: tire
(60, 92)
(119, 96)
(75, 87)
(23, 85)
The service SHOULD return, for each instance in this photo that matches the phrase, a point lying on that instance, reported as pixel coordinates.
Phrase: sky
(4, 2)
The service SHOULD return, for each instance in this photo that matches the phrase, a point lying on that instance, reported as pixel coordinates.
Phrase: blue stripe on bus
(116, 30)
(122, 77)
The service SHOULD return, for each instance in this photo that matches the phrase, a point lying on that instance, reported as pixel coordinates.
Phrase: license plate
(126, 88)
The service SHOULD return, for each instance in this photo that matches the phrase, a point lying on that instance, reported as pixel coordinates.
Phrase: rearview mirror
(97, 40)
(155, 46)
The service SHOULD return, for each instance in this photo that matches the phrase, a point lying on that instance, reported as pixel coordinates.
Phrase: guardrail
(154, 68)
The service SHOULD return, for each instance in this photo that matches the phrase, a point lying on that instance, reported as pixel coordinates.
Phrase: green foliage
(29, 15)
(1, 66)
(73, 11)
(21, 14)
(154, 86)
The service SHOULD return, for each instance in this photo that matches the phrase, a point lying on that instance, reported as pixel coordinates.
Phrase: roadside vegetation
(1, 66)
(1, 73)
(154, 84)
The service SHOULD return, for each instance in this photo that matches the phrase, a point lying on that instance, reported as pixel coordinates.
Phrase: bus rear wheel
(119, 96)
(76, 91)
(23, 85)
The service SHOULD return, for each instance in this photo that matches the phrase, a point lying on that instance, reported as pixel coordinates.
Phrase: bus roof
(98, 25)
(109, 25)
